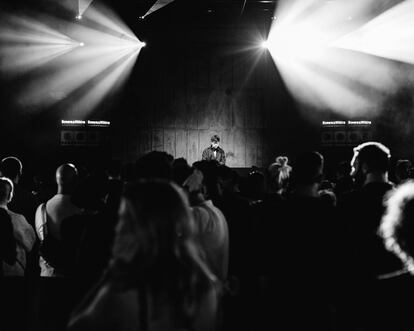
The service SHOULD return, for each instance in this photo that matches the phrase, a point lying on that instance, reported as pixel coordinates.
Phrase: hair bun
(282, 160)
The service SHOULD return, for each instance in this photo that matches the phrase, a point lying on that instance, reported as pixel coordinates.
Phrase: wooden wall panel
(251, 148)
(191, 101)
(214, 73)
(169, 141)
(158, 139)
(179, 109)
(227, 143)
(238, 110)
(254, 111)
(194, 153)
(181, 143)
(203, 111)
(218, 113)
(168, 113)
(226, 72)
(213, 91)
(239, 151)
(202, 78)
(145, 142)
(133, 147)
(242, 68)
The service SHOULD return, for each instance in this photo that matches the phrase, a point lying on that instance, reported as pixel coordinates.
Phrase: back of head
(6, 190)
(153, 247)
(155, 164)
(11, 167)
(374, 155)
(154, 223)
(255, 185)
(209, 169)
(91, 192)
(66, 176)
(227, 177)
(181, 170)
(308, 168)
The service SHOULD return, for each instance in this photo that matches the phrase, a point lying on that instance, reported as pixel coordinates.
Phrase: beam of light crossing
(318, 49)
(389, 35)
(157, 6)
(26, 44)
(72, 71)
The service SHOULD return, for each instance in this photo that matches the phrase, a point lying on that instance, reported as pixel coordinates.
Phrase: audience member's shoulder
(16, 216)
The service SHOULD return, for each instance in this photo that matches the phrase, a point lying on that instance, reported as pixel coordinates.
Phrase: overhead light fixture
(264, 44)
(78, 17)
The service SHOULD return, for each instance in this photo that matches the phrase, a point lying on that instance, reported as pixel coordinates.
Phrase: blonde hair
(279, 173)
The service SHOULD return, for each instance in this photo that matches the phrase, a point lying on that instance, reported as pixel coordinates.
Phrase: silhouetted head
(154, 221)
(181, 170)
(209, 169)
(255, 185)
(153, 165)
(228, 179)
(66, 178)
(91, 192)
(154, 248)
(370, 157)
(308, 169)
(11, 167)
(6, 190)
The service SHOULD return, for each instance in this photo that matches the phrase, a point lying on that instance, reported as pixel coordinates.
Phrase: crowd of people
(164, 245)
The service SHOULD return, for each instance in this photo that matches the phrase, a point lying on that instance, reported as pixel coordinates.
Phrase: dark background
(200, 74)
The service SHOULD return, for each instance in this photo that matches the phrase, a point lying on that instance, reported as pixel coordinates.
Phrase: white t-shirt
(25, 239)
(58, 208)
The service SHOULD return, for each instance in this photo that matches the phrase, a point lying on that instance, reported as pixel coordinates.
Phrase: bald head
(66, 177)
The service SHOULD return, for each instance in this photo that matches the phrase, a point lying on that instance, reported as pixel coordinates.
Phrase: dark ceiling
(178, 10)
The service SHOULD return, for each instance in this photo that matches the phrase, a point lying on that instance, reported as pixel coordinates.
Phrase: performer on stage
(214, 152)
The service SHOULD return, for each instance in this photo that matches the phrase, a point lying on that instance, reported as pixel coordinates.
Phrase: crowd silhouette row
(162, 245)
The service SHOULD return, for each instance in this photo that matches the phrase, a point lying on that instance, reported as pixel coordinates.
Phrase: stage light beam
(71, 76)
(323, 54)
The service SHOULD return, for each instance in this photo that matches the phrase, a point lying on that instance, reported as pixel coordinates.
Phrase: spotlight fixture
(143, 44)
(141, 17)
(78, 17)
(265, 44)
(81, 44)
